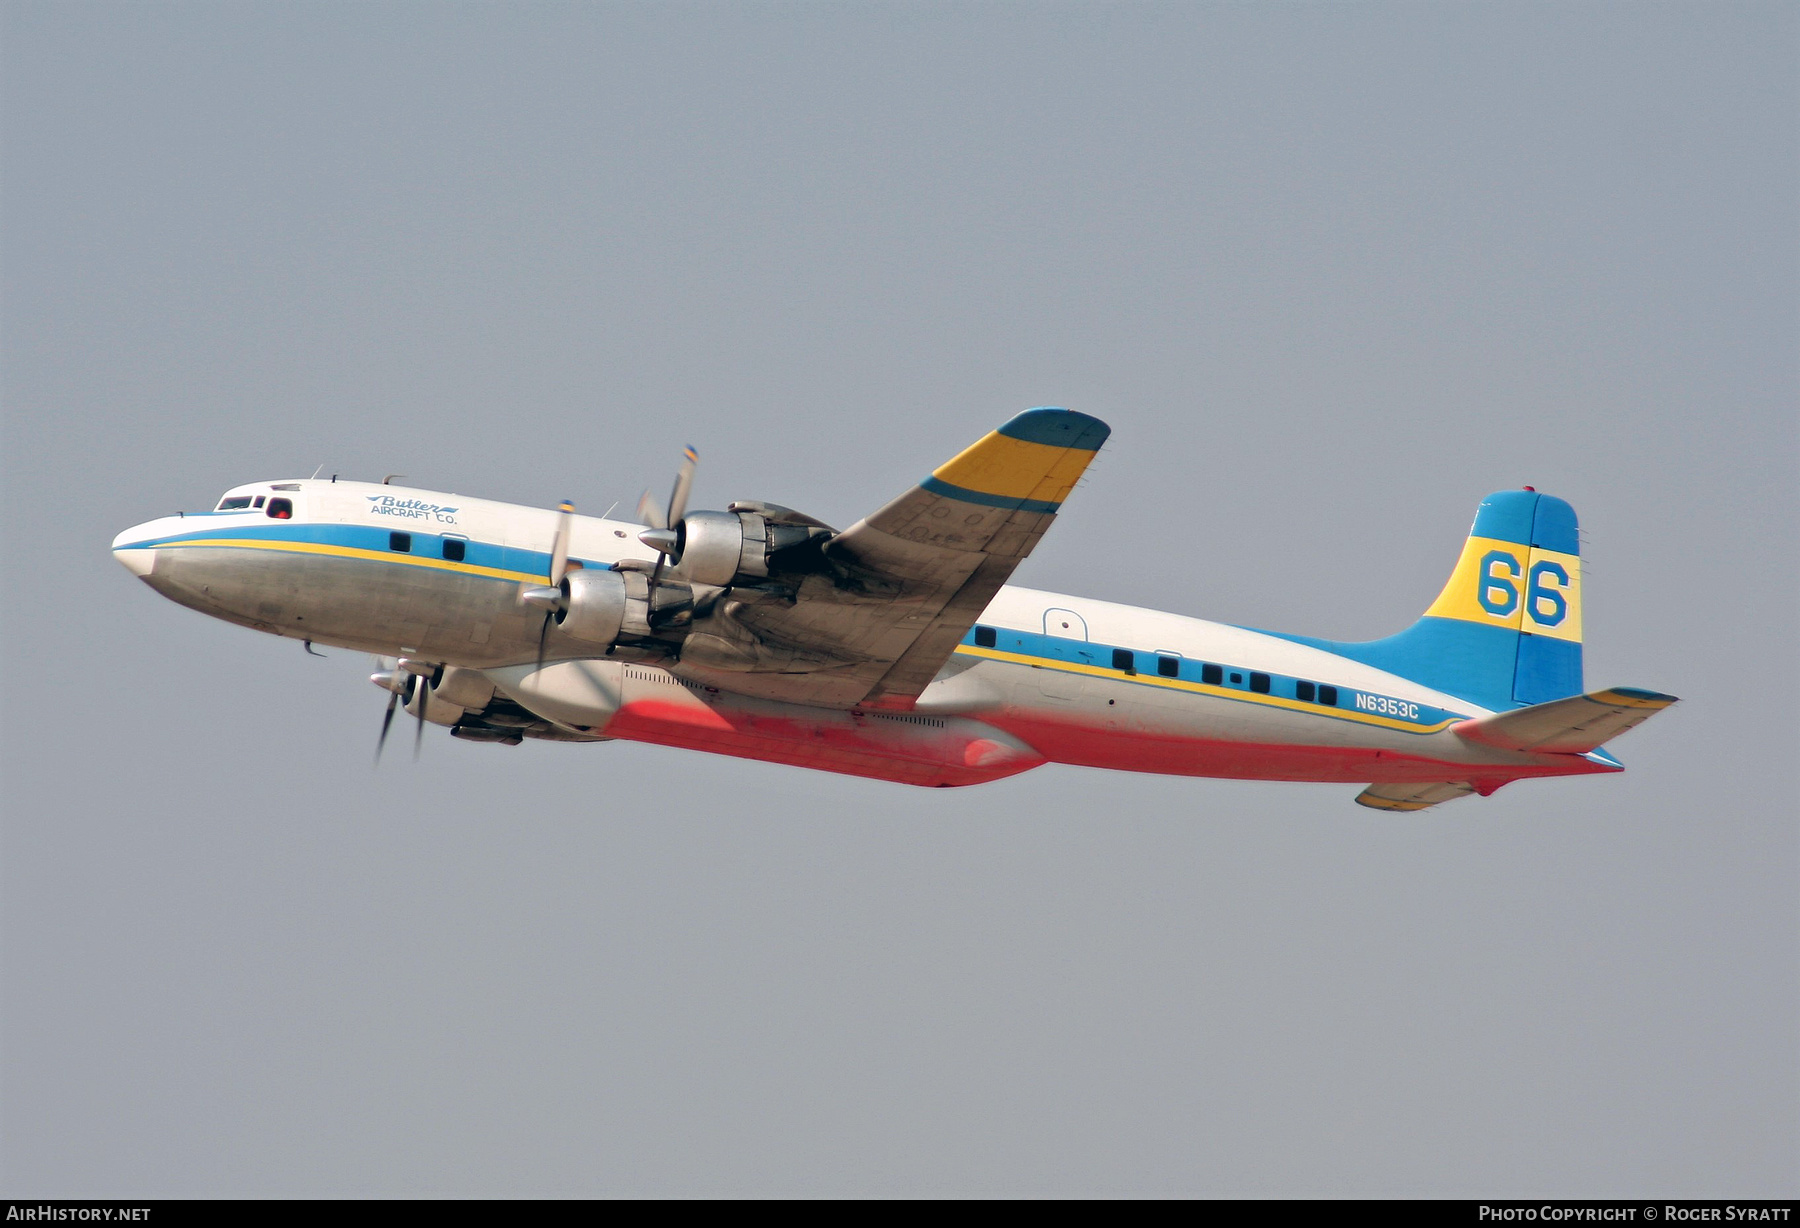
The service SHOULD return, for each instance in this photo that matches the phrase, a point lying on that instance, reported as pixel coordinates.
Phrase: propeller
(548, 598)
(663, 536)
(388, 676)
(664, 533)
(655, 516)
(385, 673)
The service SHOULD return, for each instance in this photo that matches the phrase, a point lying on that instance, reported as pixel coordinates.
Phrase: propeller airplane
(895, 649)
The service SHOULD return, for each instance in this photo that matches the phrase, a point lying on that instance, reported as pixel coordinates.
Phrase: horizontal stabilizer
(1413, 796)
(1570, 726)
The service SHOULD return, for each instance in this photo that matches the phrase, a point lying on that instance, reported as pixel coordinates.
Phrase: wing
(1571, 726)
(1412, 796)
(896, 592)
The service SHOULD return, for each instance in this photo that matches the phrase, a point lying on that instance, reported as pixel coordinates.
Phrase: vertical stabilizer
(1506, 630)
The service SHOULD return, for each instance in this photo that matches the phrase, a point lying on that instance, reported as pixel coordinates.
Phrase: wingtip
(1634, 697)
(1058, 427)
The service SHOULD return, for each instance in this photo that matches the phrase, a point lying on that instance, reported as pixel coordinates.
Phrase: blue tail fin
(1506, 630)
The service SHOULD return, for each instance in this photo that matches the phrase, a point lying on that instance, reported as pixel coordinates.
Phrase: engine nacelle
(412, 682)
(594, 605)
(466, 688)
(582, 696)
(719, 548)
(605, 607)
(716, 547)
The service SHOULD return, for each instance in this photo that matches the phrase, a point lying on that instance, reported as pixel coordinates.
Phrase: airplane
(895, 649)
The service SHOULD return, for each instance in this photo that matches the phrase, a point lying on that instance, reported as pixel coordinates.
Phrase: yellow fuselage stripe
(1201, 688)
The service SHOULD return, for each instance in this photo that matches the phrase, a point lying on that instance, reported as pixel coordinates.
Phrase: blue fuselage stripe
(425, 546)
(1354, 704)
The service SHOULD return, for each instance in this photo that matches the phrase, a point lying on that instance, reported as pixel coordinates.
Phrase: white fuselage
(436, 577)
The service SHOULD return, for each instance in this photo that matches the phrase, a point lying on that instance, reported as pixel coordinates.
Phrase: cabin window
(1237, 680)
(1212, 675)
(1125, 660)
(280, 509)
(455, 548)
(1259, 683)
(1303, 691)
(1328, 695)
(236, 503)
(985, 637)
(1168, 667)
(401, 542)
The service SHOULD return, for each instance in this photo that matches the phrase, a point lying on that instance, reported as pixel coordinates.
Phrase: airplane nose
(136, 559)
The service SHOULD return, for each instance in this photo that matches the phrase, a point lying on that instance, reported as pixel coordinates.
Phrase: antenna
(388, 480)
(318, 471)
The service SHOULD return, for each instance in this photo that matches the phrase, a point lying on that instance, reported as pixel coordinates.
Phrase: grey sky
(1332, 273)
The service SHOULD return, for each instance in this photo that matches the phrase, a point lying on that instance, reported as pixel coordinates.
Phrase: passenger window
(1303, 691)
(1237, 679)
(1259, 683)
(1212, 675)
(1328, 695)
(401, 542)
(1123, 659)
(235, 504)
(454, 548)
(1168, 667)
(280, 509)
(985, 637)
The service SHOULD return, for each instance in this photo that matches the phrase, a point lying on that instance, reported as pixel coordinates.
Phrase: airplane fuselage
(435, 577)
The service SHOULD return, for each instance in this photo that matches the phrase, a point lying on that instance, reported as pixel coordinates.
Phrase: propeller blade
(423, 695)
(648, 513)
(387, 719)
(684, 482)
(559, 547)
(543, 634)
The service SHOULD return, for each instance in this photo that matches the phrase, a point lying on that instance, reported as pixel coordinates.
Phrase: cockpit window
(281, 509)
(259, 501)
(236, 503)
